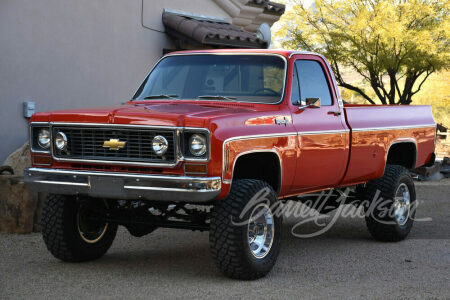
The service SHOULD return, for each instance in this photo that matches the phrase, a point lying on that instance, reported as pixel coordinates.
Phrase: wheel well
(403, 154)
(264, 166)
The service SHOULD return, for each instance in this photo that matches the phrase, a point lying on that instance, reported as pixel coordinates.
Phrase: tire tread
(225, 246)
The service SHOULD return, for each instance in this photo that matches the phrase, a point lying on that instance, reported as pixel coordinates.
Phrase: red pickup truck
(219, 140)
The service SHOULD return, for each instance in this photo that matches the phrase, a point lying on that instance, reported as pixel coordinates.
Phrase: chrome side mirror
(311, 103)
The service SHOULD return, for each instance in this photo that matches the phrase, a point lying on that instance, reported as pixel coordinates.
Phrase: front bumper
(123, 186)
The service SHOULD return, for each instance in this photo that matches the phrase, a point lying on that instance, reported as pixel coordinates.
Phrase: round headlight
(61, 141)
(44, 138)
(197, 144)
(160, 145)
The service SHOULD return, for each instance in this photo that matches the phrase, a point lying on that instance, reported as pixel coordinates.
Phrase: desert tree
(394, 45)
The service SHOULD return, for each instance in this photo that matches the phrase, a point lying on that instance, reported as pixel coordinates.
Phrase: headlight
(44, 138)
(160, 145)
(61, 141)
(197, 145)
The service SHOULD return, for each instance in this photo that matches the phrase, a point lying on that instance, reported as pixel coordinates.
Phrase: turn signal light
(42, 160)
(195, 169)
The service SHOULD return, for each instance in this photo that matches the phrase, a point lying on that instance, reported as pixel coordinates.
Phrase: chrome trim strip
(111, 174)
(303, 52)
(121, 125)
(392, 127)
(124, 185)
(62, 183)
(286, 65)
(149, 188)
(256, 136)
(116, 163)
(323, 132)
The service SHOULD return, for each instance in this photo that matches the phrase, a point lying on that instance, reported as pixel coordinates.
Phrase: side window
(295, 93)
(313, 83)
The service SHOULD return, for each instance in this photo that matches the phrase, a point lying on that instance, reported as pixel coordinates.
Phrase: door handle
(335, 113)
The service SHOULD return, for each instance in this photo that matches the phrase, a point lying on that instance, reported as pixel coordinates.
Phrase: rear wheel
(245, 231)
(70, 230)
(390, 216)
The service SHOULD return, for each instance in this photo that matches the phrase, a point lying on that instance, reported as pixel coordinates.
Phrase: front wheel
(390, 215)
(245, 230)
(70, 230)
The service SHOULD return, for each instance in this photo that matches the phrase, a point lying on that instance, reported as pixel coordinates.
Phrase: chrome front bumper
(123, 186)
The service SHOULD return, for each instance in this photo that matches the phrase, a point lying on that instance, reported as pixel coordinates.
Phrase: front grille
(86, 143)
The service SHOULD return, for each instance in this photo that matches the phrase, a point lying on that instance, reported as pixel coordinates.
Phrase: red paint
(310, 161)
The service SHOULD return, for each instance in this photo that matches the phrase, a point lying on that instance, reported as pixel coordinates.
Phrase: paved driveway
(343, 263)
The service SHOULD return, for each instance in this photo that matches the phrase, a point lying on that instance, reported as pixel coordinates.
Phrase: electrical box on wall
(29, 108)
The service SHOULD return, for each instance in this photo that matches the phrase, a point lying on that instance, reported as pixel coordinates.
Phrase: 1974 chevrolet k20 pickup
(219, 140)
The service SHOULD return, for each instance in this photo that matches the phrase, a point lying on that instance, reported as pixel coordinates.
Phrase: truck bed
(375, 128)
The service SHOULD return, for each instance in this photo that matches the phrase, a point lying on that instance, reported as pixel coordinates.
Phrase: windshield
(248, 78)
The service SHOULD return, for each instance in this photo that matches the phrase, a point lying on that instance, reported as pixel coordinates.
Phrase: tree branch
(356, 89)
(421, 83)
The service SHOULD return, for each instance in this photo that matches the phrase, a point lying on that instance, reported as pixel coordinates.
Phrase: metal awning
(201, 31)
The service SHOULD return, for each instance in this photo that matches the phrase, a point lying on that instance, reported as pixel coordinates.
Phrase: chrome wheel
(260, 231)
(90, 230)
(402, 204)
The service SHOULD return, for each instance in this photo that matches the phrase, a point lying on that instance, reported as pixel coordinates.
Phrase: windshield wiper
(217, 97)
(163, 96)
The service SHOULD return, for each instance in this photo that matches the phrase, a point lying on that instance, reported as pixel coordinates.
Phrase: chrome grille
(86, 143)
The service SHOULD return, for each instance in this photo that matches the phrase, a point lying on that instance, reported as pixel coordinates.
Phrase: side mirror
(311, 103)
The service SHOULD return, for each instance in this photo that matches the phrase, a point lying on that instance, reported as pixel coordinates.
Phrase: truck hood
(154, 114)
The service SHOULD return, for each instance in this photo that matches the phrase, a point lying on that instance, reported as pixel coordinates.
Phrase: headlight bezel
(35, 145)
(185, 145)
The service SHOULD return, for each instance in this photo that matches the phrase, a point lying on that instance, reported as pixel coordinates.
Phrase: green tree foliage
(395, 45)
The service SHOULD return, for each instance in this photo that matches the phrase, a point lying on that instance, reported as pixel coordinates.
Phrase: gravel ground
(343, 263)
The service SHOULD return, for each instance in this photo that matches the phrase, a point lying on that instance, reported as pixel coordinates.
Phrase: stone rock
(446, 161)
(19, 159)
(428, 171)
(20, 208)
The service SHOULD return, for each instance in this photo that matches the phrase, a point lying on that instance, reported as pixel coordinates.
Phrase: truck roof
(286, 53)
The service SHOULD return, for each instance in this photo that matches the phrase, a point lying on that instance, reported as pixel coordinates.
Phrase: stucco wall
(77, 53)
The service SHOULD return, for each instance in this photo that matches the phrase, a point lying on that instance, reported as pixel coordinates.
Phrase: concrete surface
(344, 263)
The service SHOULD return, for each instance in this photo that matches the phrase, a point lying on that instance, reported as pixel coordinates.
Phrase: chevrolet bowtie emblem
(114, 144)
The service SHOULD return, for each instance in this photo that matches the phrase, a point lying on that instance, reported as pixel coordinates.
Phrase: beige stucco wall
(77, 53)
